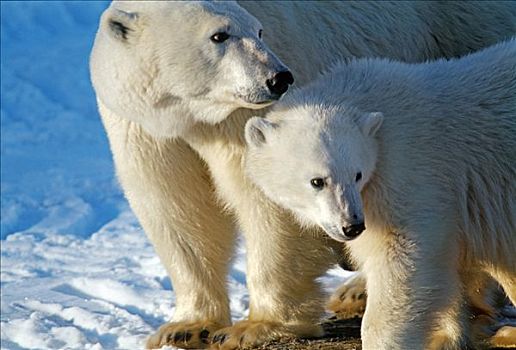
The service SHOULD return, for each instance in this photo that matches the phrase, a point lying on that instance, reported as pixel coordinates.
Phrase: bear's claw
(195, 335)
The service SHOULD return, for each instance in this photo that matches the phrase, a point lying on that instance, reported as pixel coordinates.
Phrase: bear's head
(168, 65)
(314, 160)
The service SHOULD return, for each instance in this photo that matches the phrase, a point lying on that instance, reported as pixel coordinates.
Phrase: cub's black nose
(278, 85)
(352, 231)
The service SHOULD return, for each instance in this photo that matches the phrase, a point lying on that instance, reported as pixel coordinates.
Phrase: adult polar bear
(165, 72)
(435, 183)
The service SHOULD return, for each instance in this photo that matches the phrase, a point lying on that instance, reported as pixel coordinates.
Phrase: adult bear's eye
(358, 177)
(318, 183)
(260, 32)
(219, 37)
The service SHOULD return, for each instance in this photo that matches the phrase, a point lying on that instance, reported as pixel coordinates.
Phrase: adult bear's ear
(256, 131)
(121, 25)
(369, 123)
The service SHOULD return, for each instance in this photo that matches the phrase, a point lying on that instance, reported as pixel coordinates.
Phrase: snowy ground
(77, 271)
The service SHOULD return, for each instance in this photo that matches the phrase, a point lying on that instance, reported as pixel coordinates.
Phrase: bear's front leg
(414, 292)
(283, 264)
(170, 192)
(194, 241)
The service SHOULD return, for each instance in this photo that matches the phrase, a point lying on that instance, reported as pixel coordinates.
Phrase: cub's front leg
(414, 296)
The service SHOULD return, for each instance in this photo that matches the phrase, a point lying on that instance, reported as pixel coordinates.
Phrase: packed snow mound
(56, 166)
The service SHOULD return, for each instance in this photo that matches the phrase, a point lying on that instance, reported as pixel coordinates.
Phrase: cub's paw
(195, 335)
(246, 334)
(349, 300)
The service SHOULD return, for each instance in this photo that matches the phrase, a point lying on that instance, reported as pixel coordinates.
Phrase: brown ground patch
(340, 335)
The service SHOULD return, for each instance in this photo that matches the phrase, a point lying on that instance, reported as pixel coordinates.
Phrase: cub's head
(314, 160)
(169, 64)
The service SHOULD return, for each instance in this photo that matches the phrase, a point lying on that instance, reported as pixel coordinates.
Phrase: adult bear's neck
(225, 138)
(222, 147)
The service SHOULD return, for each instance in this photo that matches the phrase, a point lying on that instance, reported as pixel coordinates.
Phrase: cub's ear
(121, 25)
(256, 131)
(369, 123)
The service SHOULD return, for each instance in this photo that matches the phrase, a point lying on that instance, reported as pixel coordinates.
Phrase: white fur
(167, 94)
(156, 71)
(438, 184)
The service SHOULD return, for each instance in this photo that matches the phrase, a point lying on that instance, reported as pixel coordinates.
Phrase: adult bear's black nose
(278, 85)
(352, 231)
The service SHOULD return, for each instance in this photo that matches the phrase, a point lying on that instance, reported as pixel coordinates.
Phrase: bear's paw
(349, 300)
(194, 335)
(246, 334)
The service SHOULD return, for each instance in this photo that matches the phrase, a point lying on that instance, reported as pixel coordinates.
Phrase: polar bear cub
(414, 166)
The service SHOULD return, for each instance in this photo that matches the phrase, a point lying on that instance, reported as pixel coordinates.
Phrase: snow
(77, 271)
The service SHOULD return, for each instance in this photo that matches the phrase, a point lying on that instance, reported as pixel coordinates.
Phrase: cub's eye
(358, 177)
(219, 37)
(260, 32)
(317, 183)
